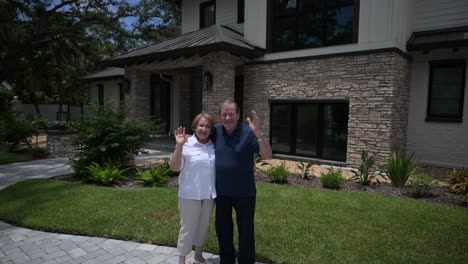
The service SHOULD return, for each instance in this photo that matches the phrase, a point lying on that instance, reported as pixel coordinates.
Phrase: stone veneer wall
(140, 91)
(57, 143)
(376, 86)
(222, 65)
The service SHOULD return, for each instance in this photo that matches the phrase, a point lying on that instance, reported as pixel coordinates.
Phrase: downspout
(165, 79)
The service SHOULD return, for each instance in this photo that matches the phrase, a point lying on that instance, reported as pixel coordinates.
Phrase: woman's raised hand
(180, 136)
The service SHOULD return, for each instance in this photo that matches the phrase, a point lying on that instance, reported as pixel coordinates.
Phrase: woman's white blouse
(197, 170)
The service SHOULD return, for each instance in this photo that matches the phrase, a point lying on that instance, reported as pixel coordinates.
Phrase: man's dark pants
(245, 212)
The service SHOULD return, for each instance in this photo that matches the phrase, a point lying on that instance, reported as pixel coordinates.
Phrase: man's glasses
(227, 114)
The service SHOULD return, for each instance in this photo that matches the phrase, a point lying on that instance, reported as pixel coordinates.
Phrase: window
(101, 94)
(316, 130)
(121, 93)
(301, 24)
(207, 14)
(446, 91)
(240, 11)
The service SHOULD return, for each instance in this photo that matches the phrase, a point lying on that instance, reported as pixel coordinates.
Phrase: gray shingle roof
(107, 73)
(438, 39)
(211, 38)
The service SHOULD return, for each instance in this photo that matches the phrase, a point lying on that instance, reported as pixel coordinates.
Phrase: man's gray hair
(228, 102)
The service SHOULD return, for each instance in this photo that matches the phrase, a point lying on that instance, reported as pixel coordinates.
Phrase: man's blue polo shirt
(234, 161)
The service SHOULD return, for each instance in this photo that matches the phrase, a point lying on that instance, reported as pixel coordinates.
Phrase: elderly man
(235, 145)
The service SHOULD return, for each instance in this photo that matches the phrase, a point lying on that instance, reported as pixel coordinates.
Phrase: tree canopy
(47, 44)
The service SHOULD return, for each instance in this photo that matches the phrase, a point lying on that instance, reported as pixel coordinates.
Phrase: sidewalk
(21, 245)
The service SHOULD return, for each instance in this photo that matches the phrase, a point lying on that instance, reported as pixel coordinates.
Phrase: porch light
(208, 81)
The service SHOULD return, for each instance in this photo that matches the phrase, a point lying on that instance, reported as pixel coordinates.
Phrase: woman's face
(203, 129)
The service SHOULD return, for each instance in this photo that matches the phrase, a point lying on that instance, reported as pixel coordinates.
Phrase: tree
(47, 44)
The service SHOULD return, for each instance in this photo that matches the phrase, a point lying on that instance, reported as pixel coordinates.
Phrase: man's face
(229, 117)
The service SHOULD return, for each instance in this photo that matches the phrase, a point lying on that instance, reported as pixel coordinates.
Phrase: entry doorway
(160, 104)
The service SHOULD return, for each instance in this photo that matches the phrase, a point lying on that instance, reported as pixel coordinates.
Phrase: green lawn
(293, 225)
(12, 157)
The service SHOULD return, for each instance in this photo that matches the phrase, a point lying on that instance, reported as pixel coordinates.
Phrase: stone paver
(21, 245)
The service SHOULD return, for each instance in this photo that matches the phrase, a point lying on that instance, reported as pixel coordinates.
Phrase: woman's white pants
(194, 222)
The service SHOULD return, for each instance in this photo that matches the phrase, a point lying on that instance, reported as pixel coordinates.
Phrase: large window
(446, 91)
(301, 24)
(100, 94)
(310, 129)
(207, 13)
(240, 11)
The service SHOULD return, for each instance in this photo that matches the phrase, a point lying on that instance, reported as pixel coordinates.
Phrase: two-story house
(327, 78)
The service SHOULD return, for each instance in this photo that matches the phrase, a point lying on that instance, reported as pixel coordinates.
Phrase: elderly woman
(194, 156)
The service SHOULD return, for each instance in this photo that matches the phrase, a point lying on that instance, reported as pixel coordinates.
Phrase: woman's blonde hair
(207, 117)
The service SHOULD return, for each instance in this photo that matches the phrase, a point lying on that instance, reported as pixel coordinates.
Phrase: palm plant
(106, 174)
(304, 168)
(155, 176)
(364, 175)
(400, 168)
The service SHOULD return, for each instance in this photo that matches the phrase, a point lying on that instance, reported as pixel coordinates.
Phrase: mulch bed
(439, 194)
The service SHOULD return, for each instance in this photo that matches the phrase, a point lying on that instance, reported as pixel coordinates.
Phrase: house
(328, 79)
(107, 85)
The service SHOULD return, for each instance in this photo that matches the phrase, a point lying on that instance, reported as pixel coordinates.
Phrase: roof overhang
(109, 73)
(212, 39)
(438, 39)
(185, 52)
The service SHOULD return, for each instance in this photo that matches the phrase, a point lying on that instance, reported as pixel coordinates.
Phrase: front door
(160, 104)
(239, 94)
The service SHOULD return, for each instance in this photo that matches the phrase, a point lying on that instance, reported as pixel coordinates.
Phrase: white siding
(255, 21)
(437, 14)
(382, 24)
(111, 92)
(435, 143)
(226, 14)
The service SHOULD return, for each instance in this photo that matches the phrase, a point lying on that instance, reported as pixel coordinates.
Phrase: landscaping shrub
(60, 125)
(278, 174)
(399, 168)
(5, 97)
(304, 168)
(80, 167)
(108, 133)
(40, 152)
(333, 179)
(421, 185)
(365, 175)
(105, 174)
(166, 164)
(15, 128)
(459, 181)
(156, 176)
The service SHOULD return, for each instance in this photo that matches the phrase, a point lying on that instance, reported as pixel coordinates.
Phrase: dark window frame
(202, 8)
(100, 94)
(293, 104)
(271, 25)
(456, 118)
(121, 93)
(240, 11)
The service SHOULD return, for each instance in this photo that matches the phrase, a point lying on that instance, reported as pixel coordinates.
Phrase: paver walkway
(21, 245)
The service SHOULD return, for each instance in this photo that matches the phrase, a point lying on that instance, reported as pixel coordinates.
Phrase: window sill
(444, 119)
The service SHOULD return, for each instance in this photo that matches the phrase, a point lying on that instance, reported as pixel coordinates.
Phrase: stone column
(222, 67)
(140, 91)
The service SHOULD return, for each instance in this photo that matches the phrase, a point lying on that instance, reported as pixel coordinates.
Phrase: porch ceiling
(438, 39)
(200, 42)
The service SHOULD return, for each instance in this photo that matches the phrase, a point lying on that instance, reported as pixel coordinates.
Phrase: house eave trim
(334, 55)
